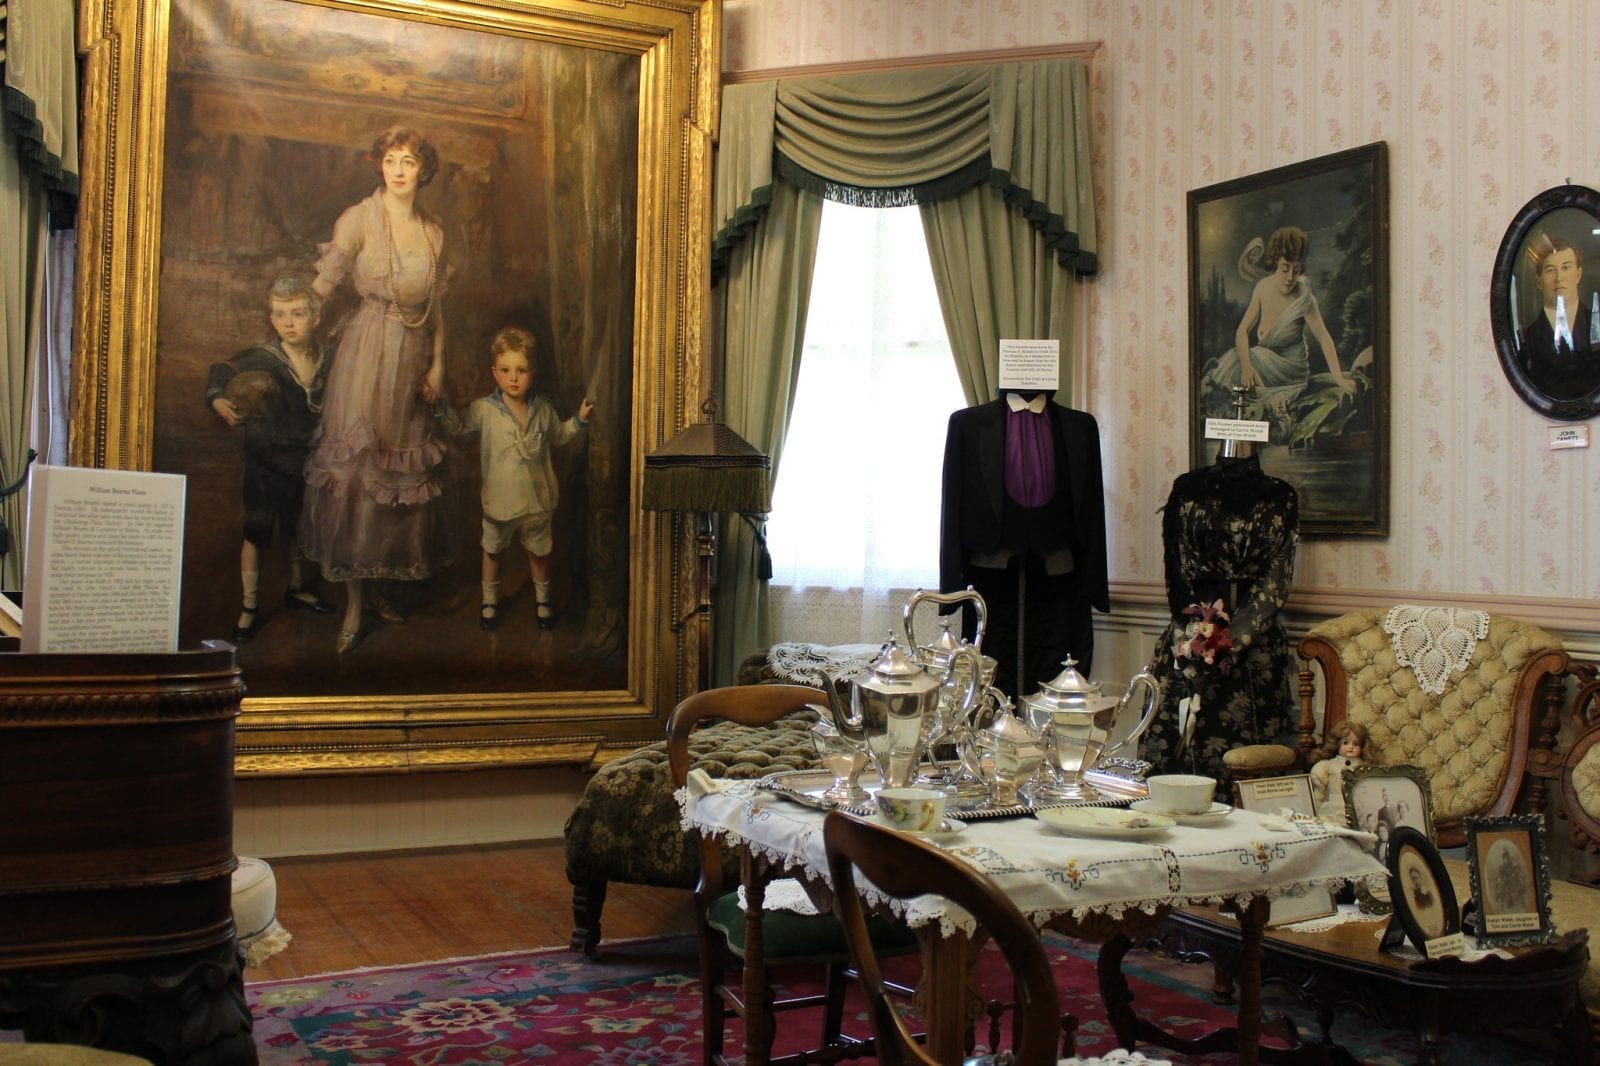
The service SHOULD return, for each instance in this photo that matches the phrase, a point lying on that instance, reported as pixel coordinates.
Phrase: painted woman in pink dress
(372, 508)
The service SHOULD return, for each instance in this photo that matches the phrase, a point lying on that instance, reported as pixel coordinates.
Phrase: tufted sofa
(1473, 740)
(625, 826)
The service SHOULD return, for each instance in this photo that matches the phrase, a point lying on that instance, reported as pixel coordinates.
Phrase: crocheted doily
(799, 663)
(1435, 641)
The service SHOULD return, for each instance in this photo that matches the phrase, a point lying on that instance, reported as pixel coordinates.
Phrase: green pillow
(788, 937)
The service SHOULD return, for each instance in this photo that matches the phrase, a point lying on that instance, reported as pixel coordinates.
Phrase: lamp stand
(706, 547)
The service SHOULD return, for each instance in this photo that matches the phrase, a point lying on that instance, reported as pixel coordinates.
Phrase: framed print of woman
(1288, 294)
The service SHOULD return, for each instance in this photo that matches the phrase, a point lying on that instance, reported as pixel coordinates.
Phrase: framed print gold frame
(1380, 800)
(1321, 364)
(1551, 252)
(226, 144)
(1510, 878)
(1270, 795)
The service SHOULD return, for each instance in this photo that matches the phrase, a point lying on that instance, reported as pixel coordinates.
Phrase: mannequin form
(1230, 532)
(1023, 522)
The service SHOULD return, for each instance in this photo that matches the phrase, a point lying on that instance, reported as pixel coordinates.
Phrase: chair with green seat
(787, 938)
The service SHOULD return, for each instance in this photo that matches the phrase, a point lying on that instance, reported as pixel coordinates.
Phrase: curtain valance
(38, 53)
(915, 136)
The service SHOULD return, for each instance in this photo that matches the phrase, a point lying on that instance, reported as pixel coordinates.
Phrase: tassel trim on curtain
(1057, 237)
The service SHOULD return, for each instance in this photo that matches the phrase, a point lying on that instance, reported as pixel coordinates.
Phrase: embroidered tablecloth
(1049, 874)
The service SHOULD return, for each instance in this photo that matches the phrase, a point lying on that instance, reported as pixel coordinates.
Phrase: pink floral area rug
(640, 1005)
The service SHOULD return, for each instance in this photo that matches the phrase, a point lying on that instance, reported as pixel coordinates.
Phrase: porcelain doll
(1341, 752)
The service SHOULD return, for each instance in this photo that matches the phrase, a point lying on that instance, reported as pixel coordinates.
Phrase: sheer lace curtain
(854, 527)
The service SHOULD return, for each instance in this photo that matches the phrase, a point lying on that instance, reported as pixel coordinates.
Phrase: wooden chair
(1476, 741)
(787, 939)
(903, 867)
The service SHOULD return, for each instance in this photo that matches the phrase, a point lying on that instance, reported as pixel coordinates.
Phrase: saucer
(1214, 816)
(947, 829)
(1110, 822)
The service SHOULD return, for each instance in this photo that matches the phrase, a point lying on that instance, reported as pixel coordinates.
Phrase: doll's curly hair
(1347, 728)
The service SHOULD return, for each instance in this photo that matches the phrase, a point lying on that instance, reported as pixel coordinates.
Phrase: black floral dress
(1229, 532)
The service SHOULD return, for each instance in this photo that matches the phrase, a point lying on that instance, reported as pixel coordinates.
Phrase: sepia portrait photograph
(1420, 889)
(395, 348)
(1510, 879)
(1545, 303)
(1288, 280)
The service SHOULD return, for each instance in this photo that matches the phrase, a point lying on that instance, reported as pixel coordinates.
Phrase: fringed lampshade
(707, 468)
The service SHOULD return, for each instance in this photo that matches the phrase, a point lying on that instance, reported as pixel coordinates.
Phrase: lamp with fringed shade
(707, 469)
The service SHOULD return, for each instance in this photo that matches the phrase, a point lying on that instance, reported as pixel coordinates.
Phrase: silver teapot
(1079, 720)
(956, 700)
(1004, 751)
(893, 708)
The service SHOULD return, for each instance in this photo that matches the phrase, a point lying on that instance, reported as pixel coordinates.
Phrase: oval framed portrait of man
(1545, 303)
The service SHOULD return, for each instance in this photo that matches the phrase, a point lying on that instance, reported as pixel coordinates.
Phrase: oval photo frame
(1564, 384)
(1419, 886)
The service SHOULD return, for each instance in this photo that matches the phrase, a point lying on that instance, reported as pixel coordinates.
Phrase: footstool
(255, 911)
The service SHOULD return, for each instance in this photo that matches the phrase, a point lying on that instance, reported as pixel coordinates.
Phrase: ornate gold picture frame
(224, 143)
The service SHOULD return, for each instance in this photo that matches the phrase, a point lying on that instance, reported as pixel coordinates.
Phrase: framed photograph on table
(1510, 878)
(1288, 292)
(1274, 795)
(1419, 888)
(1380, 800)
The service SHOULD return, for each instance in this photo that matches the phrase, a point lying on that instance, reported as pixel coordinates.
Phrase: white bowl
(1182, 793)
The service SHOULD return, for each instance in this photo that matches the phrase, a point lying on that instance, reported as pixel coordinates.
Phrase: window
(856, 502)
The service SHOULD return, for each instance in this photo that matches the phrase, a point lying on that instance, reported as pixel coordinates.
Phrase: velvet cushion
(788, 937)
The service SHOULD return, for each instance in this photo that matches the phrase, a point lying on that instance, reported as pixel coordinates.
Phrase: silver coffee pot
(1079, 720)
(893, 708)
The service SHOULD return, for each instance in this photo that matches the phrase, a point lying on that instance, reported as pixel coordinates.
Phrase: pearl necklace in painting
(388, 281)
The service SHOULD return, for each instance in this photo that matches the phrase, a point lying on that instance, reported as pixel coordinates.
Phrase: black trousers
(1035, 620)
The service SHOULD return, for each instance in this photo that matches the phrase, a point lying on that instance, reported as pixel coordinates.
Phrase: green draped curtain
(38, 179)
(998, 157)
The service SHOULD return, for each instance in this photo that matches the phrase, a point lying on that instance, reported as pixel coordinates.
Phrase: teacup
(914, 810)
(1181, 793)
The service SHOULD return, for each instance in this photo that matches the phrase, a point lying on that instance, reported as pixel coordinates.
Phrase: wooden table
(1097, 889)
(1535, 991)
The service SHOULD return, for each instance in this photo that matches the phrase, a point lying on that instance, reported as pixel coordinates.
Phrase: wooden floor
(347, 912)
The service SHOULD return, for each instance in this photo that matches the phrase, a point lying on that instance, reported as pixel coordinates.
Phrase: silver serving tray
(807, 786)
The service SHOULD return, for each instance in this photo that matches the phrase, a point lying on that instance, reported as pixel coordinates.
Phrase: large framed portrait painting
(1288, 295)
(410, 290)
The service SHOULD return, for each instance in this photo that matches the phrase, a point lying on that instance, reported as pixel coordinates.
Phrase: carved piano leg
(187, 1008)
(588, 898)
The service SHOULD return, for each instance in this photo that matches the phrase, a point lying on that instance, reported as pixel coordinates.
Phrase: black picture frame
(1510, 877)
(1332, 446)
(1383, 800)
(1424, 899)
(1568, 391)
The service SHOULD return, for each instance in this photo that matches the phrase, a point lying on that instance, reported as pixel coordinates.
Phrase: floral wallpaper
(1483, 104)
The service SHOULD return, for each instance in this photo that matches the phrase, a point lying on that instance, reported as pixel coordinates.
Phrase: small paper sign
(1511, 923)
(1449, 944)
(1237, 429)
(1269, 788)
(1569, 437)
(1030, 365)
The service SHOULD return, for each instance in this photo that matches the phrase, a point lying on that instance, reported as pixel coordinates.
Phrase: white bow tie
(1017, 403)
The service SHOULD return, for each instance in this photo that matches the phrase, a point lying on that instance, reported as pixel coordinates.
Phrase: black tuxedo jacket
(972, 515)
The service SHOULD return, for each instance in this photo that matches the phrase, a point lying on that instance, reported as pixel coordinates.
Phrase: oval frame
(1410, 850)
(1512, 288)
